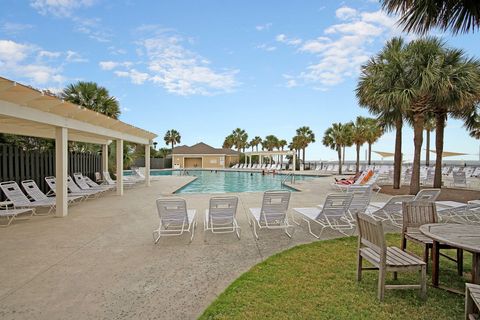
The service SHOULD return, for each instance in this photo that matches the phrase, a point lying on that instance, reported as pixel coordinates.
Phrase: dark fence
(155, 163)
(18, 165)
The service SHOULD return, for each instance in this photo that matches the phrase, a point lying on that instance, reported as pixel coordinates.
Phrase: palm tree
(358, 134)
(255, 142)
(472, 124)
(307, 137)
(172, 137)
(456, 93)
(423, 15)
(347, 132)
(240, 138)
(373, 132)
(334, 138)
(429, 126)
(281, 145)
(92, 96)
(229, 142)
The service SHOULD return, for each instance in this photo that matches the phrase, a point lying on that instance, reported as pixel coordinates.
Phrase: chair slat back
(52, 183)
(172, 211)
(417, 213)
(222, 210)
(12, 191)
(427, 195)
(32, 189)
(460, 178)
(336, 204)
(79, 179)
(370, 233)
(106, 176)
(361, 198)
(72, 186)
(90, 182)
(394, 205)
(274, 206)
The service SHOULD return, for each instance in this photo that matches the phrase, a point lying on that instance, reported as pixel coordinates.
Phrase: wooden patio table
(461, 236)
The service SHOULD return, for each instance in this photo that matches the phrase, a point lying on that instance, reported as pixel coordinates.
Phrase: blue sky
(207, 67)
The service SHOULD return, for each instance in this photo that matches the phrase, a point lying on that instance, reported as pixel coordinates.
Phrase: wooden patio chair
(373, 248)
(472, 301)
(415, 214)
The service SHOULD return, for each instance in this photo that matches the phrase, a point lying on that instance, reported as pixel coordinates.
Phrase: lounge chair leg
(255, 230)
(295, 221)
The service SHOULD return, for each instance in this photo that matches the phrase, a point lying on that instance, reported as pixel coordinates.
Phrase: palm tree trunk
(369, 153)
(397, 162)
(343, 156)
(358, 159)
(418, 120)
(339, 150)
(439, 131)
(427, 156)
(303, 156)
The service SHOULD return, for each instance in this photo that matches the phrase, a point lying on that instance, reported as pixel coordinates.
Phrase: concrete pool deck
(100, 261)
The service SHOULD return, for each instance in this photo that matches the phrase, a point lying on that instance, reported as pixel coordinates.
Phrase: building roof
(27, 111)
(203, 148)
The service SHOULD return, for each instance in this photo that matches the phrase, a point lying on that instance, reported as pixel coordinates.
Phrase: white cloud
(30, 62)
(290, 41)
(266, 47)
(263, 27)
(12, 28)
(172, 66)
(343, 47)
(60, 8)
(72, 56)
(346, 13)
(92, 28)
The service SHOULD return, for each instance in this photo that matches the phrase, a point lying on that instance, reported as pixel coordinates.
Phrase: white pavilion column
(61, 171)
(294, 160)
(119, 147)
(104, 158)
(147, 165)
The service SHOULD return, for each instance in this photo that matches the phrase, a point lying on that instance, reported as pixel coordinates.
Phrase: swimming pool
(229, 181)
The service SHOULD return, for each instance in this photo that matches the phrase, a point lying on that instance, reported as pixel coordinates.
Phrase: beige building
(203, 156)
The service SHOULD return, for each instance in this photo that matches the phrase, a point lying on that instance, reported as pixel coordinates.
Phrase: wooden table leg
(460, 262)
(476, 268)
(435, 263)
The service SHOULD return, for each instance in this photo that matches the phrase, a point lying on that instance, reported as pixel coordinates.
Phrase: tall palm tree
(348, 140)
(270, 142)
(429, 126)
(229, 142)
(281, 145)
(307, 136)
(255, 142)
(423, 15)
(334, 138)
(358, 133)
(92, 96)
(457, 94)
(472, 124)
(172, 137)
(240, 138)
(373, 132)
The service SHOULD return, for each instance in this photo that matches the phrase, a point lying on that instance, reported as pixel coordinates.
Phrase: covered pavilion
(269, 154)
(29, 112)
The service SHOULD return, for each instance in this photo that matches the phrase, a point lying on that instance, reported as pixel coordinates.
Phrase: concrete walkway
(100, 261)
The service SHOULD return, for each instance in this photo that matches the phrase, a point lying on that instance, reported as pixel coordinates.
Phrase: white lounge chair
(74, 188)
(52, 183)
(94, 185)
(390, 210)
(360, 200)
(82, 183)
(220, 215)
(273, 213)
(111, 182)
(175, 219)
(11, 213)
(34, 192)
(14, 194)
(427, 195)
(333, 214)
(460, 180)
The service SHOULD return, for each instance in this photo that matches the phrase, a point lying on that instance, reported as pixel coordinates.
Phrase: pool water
(229, 181)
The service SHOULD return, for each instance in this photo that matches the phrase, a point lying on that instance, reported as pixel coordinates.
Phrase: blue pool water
(229, 181)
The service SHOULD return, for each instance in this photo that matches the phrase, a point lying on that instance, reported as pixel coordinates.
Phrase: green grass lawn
(317, 281)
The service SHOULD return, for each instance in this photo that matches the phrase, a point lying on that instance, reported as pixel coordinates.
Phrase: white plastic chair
(34, 192)
(273, 213)
(175, 219)
(13, 193)
(220, 215)
(390, 210)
